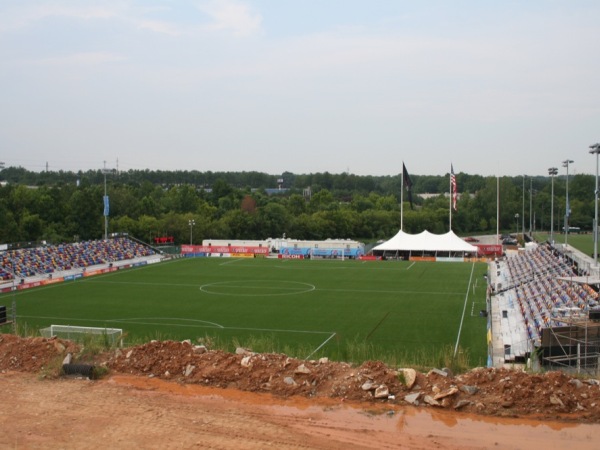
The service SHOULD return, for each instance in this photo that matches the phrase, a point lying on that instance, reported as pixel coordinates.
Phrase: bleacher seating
(532, 286)
(29, 262)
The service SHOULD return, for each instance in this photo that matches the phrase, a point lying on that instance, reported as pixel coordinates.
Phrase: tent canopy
(426, 241)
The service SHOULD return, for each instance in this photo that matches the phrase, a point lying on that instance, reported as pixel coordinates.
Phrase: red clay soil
(177, 395)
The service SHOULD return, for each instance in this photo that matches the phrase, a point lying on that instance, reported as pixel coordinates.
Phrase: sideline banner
(489, 249)
(233, 249)
(287, 256)
(7, 289)
(449, 259)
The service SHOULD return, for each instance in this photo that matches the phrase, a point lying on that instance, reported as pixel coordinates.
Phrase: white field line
(320, 346)
(233, 261)
(137, 321)
(464, 309)
(365, 291)
(414, 262)
(134, 321)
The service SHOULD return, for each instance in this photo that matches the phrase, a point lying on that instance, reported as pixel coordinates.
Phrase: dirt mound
(500, 392)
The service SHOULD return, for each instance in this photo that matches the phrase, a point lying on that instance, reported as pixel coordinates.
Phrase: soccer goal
(107, 336)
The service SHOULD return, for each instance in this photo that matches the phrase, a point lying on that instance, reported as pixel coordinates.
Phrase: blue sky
(495, 88)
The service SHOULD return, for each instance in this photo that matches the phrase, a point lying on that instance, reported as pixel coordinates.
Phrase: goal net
(107, 336)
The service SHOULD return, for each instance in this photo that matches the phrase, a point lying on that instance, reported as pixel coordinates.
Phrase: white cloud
(25, 14)
(233, 16)
(158, 26)
(84, 59)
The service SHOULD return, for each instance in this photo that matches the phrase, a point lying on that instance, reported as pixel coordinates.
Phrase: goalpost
(111, 336)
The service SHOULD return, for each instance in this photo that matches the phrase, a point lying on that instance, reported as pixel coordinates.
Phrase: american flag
(453, 189)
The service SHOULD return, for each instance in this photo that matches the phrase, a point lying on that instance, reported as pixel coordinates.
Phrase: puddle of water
(439, 427)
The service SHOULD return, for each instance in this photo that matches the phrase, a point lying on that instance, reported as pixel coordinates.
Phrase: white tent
(426, 242)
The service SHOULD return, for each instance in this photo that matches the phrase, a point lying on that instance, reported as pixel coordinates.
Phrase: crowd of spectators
(29, 262)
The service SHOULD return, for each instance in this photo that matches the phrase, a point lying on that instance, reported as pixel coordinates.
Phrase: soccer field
(307, 308)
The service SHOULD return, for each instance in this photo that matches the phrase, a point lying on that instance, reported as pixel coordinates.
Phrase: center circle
(257, 288)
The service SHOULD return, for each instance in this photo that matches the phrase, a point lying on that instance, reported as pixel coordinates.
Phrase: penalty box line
(136, 321)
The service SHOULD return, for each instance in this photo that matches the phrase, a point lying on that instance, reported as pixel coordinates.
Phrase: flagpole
(402, 198)
(497, 210)
(450, 196)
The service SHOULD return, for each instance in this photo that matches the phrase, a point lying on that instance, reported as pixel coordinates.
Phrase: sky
(491, 87)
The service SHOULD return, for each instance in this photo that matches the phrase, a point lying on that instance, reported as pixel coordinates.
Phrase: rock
(437, 372)
(554, 400)
(67, 359)
(289, 380)
(448, 371)
(412, 399)
(199, 349)
(323, 360)
(367, 386)
(592, 382)
(129, 353)
(577, 383)
(507, 403)
(461, 404)
(431, 401)
(59, 347)
(382, 391)
(167, 374)
(186, 341)
(246, 361)
(188, 370)
(471, 390)
(410, 377)
(242, 351)
(453, 390)
(302, 370)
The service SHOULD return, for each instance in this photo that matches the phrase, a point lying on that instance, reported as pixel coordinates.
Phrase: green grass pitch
(310, 307)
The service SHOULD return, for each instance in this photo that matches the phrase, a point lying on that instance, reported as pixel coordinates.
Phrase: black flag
(407, 183)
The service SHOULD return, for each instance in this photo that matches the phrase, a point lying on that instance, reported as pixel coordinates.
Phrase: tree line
(64, 206)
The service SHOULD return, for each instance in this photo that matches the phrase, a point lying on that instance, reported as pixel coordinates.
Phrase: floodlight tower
(191, 223)
(566, 163)
(106, 171)
(552, 171)
(595, 150)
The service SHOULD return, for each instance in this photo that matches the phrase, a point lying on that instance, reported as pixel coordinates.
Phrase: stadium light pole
(517, 222)
(552, 171)
(595, 149)
(105, 171)
(192, 222)
(566, 163)
(523, 212)
(530, 207)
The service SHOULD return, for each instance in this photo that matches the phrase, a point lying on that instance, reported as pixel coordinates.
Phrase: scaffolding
(572, 343)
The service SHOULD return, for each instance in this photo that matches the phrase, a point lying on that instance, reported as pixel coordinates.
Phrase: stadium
(535, 306)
